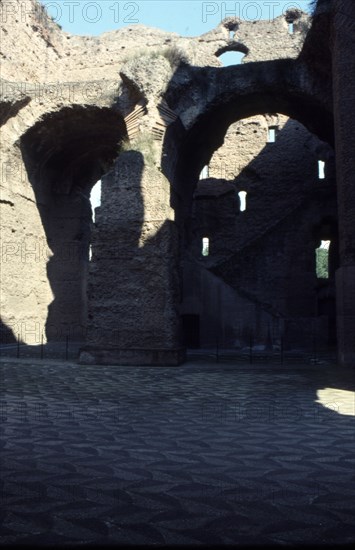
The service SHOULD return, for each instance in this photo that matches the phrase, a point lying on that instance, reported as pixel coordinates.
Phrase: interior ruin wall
(266, 253)
(46, 71)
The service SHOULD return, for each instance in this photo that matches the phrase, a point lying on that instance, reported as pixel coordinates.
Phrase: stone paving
(203, 454)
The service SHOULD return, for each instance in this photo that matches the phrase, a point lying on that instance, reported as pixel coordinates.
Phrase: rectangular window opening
(291, 28)
(271, 138)
(243, 200)
(321, 169)
(322, 260)
(205, 246)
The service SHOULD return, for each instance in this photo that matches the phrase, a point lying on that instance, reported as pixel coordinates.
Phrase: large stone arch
(241, 92)
(65, 154)
(233, 93)
(72, 147)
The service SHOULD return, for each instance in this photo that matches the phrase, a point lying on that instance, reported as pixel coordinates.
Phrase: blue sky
(188, 18)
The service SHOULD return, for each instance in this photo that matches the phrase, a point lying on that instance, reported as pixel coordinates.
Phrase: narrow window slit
(322, 260)
(205, 246)
(321, 169)
(271, 138)
(243, 200)
(204, 172)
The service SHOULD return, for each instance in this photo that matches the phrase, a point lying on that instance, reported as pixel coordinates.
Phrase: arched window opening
(321, 169)
(322, 260)
(243, 200)
(231, 58)
(205, 246)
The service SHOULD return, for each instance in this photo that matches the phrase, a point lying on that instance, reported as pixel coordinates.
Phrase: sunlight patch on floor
(340, 401)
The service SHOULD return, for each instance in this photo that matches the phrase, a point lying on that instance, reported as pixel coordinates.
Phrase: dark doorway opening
(191, 330)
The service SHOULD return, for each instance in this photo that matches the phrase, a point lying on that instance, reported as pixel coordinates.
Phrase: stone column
(133, 282)
(344, 122)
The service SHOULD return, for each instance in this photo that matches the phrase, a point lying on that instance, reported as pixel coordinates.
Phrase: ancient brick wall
(266, 253)
(68, 104)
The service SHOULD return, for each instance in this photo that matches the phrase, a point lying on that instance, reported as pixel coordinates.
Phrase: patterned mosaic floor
(193, 455)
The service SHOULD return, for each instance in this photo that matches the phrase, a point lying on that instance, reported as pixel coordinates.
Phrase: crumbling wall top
(34, 48)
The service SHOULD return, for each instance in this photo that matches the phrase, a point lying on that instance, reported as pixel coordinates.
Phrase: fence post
(314, 343)
(282, 350)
